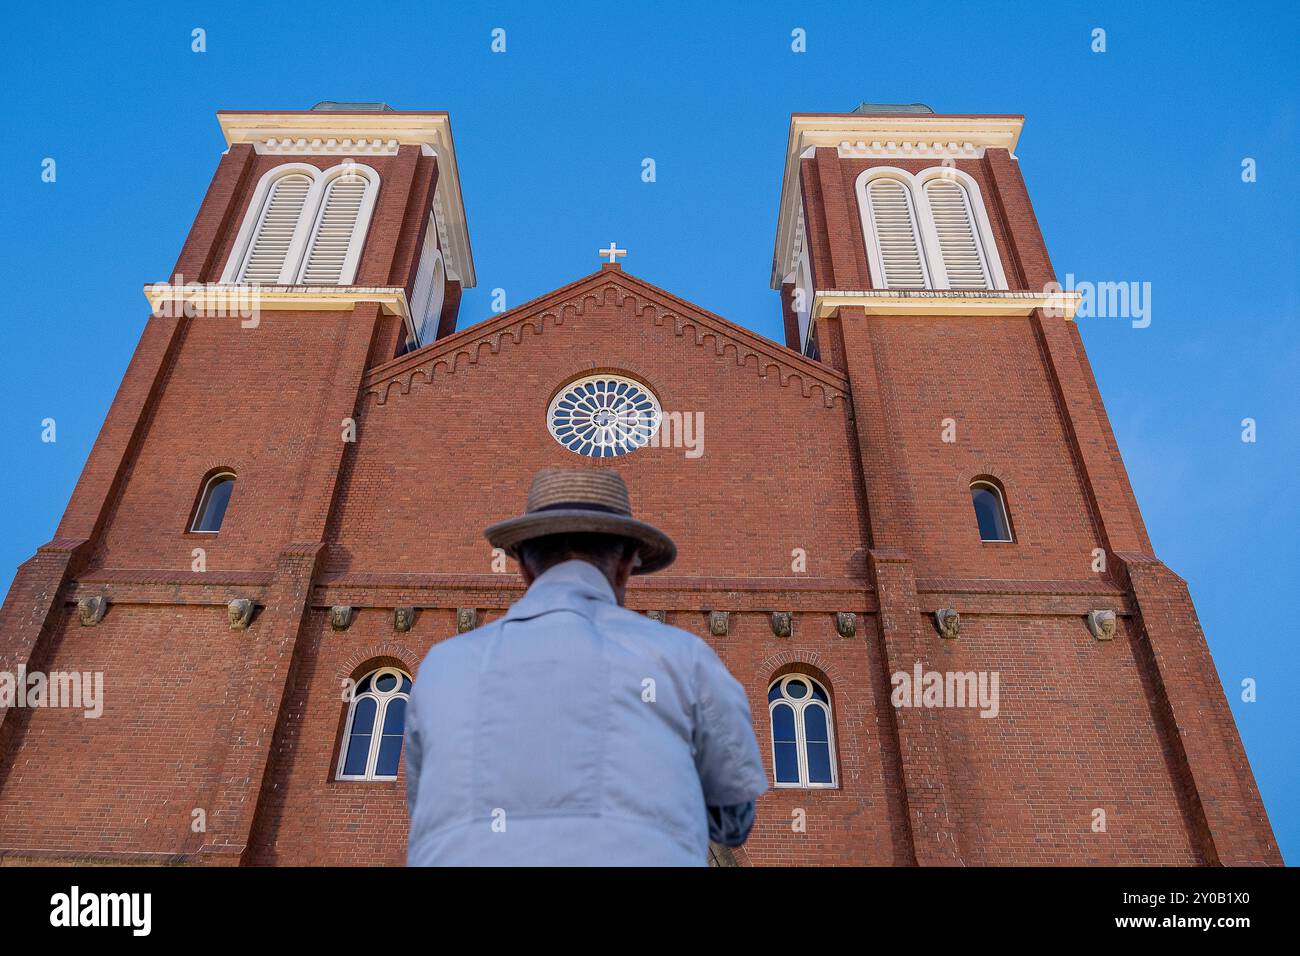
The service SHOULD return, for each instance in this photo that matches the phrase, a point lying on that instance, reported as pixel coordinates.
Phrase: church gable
(450, 434)
(610, 287)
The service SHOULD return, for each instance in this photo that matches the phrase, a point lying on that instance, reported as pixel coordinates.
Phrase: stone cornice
(945, 302)
(894, 135)
(215, 298)
(678, 593)
(572, 301)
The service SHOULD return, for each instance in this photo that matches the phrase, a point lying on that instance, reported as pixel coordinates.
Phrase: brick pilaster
(903, 638)
(931, 813)
(266, 669)
(381, 248)
(1229, 815)
(1032, 265)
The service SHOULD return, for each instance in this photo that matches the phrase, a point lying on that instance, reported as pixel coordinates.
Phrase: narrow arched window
(213, 500)
(273, 235)
(803, 747)
(990, 511)
(965, 261)
(899, 257)
(339, 229)
(372, 736)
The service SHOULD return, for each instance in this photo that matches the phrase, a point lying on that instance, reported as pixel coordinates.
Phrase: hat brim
(656, 549)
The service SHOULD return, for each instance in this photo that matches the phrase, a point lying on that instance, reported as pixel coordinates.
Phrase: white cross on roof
(613, 252)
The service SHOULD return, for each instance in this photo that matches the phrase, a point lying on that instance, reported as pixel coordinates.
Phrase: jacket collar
(569, 586)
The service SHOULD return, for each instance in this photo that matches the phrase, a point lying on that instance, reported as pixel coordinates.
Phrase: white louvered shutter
(898, 241)
(275, 229)
(422, 293)
(336, 225)
(959, 244)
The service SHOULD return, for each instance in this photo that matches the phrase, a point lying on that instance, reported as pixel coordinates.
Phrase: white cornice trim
(371, 134)
(421, 129)
(242, 300)
(895, 136)
(327, 147)
(901, 302)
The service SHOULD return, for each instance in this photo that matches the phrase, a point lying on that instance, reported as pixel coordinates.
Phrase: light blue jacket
(574, 732)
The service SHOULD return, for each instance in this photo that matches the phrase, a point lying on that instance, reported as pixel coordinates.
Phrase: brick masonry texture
(842, 458)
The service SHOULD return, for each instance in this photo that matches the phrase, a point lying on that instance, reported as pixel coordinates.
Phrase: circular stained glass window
(603, 416)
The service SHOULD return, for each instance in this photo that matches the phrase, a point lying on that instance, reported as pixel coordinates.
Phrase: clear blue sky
(1132, 157)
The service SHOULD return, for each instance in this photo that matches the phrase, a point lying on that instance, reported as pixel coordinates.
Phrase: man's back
(574, 732)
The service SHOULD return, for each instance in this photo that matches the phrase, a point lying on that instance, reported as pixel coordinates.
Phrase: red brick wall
(431, 469)
(1006, 425)
(243, 398)
(128, 781)
(307, 817)
(1074, 733)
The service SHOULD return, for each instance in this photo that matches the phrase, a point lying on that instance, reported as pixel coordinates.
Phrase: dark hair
(605, 551)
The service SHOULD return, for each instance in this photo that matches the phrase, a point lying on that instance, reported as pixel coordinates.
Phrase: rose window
(603, 416)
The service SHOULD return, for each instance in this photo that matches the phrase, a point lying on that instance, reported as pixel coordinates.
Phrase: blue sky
(1132, 158)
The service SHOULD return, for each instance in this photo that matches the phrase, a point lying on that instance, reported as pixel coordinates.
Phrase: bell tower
(1003, 534)
(329, 241)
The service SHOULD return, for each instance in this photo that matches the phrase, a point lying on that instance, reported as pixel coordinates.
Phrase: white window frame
(204, 495)
(360, 227)
(295, 258)
(1002, 503)
(645, 430)
(253, 218)
(926, 232)
(425, 314)
(874, 259)
(803, 283)
(800, 734)
(382, 700)
(987, 247)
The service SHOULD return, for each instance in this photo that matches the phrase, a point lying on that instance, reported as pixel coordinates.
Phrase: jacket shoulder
(665, 635)
(456, 647)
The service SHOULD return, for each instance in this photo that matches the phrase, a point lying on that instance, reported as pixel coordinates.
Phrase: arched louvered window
(339, 229)
(899, 260)
(961, 252)
(928, 231)
(304, 226)
(372, 736)
(803, 741)
(427, 292)
(273, 235)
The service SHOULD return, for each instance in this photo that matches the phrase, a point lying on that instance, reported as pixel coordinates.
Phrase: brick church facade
(286, 501)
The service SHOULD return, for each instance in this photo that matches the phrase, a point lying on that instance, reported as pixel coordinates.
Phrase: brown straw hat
(591, 501)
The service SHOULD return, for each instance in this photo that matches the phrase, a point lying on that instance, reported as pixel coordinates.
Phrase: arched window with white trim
(894, 238)
(275, 226)
(928, 231)
(339, 230)
(803, 735)
(372, 736)
(965, 253)
(304, 226)
(990, 510)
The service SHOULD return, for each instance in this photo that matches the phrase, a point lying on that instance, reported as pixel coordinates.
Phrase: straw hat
(590, 501)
